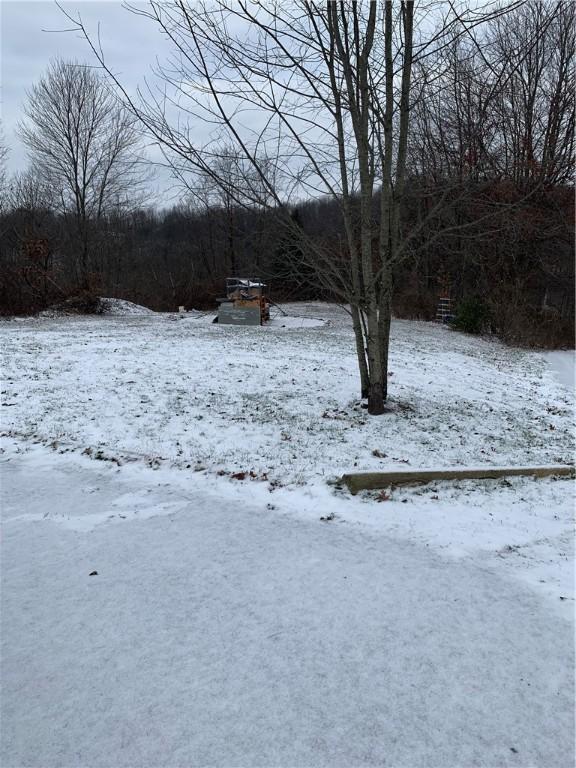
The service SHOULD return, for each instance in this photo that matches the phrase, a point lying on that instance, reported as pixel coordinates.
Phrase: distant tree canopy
(485, 203)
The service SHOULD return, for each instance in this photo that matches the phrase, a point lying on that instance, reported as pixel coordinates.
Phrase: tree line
(398, 152)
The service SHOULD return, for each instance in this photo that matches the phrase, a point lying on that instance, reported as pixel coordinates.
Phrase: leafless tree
(325, 93)
(227, 186)
(505, 105)
(537, 107)
(3, 169)
(499, 125)
(85, 145)
(29, 191)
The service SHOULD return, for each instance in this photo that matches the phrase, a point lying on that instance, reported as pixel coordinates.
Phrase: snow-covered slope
(279, 409)
(241, 399)
(563, 364)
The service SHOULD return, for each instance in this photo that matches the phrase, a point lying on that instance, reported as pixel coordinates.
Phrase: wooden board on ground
(370, 481)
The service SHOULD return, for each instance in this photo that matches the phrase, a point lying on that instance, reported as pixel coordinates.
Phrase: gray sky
(29, 40)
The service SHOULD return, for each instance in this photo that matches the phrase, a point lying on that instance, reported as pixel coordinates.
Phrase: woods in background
(486, 207)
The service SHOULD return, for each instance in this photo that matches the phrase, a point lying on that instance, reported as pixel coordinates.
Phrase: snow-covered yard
(188, 463)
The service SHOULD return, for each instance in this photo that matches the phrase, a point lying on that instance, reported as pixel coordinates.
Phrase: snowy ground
(228, 624)
(563, 364)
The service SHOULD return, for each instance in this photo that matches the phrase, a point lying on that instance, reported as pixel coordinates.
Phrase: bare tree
(505, 108)
(325, 93)
(537, 107)
(85, 145)
(3, 169)
(224, 190)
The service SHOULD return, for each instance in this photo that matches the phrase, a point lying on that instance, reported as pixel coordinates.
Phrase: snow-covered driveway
(220, 634)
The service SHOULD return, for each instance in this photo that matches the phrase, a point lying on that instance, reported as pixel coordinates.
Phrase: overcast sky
(30, 38)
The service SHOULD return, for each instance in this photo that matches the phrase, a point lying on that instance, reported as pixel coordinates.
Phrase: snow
(563, 365)
(223, 634)
(114, 307)
(190, 464)
(123, 307)
(245, 282)
(294, 321)
(278, 320)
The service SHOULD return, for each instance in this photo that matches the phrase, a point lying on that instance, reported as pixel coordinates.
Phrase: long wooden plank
(363, 481)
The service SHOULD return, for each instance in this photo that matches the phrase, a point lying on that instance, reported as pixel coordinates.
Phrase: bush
(472, 316)
(84, 303)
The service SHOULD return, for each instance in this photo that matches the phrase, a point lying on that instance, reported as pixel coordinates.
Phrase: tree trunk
(384, 329)
(376, 391)
(361, 352)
